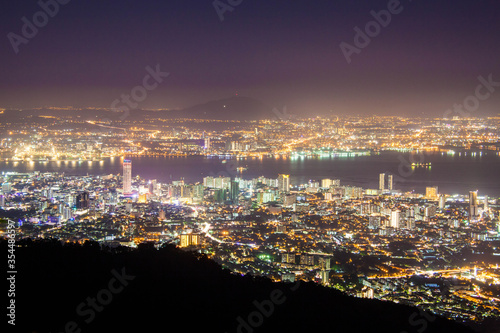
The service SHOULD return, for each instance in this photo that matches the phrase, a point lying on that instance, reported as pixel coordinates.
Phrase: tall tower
(234, 191)
(389, 182)
(473, 211)
(381, 182)
(284, 183)
(127, 176)
(486, 207)
(442, 201)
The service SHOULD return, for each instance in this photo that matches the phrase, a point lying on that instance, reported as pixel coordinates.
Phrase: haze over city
(426, 59)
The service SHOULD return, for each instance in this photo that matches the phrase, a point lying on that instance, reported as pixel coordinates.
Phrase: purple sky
(281, 52)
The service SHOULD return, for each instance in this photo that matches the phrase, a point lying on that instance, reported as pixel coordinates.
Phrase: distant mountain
(70, 287)
(233, 108)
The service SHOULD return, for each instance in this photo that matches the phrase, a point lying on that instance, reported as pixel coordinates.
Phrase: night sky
(425, 60)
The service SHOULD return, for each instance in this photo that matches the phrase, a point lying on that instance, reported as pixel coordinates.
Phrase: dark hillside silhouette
(169, 289)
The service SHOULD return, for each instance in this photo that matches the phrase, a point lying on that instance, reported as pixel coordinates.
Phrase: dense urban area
(437, 251)
(62, 135)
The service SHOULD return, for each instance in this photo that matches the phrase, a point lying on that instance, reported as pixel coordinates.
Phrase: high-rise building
(284, 183)
(395, 217)
(353, 192)
(486, 207)
(389, 182)
(325, 276)
(82, 200)
(234, 192)
(289, 200)
(442, 201)
(209, 182)
(473, 206)
(220, 195)
(325, 263)
(288, 258)
(326, 183)
(411, 212)
(66, 213)
(198, 191)
(430, 211)
(374, 222)
(190, 240)
(307, 259)
(381, 182)
(222, 182)
(127, 177)
(431, 192)
(152, 186)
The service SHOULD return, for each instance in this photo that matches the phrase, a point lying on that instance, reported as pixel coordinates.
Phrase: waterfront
(452, 173)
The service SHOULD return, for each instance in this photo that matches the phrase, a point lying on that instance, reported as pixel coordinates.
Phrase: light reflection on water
(452, 173)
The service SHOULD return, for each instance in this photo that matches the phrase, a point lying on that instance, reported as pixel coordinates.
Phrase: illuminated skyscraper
(325, 276)
(284, 183)
(152, 186)
(326, 183)
(234, 191)
(288, 258)
(209, 182)
(127, 176)
(431, 192)
(190, 240)
(389, 182)
(486, 207)
(442, 201)
(395, 217)
(83, 200)
(222, 182)
(381, 182)
(473, 211)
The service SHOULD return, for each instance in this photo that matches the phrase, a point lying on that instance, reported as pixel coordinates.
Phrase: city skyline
(297, 232)
(259, 166)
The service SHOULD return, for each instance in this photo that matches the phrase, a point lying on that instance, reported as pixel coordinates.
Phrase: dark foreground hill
(83, 288)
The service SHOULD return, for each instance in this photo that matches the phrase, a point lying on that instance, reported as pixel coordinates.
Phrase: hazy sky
(282, 52)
